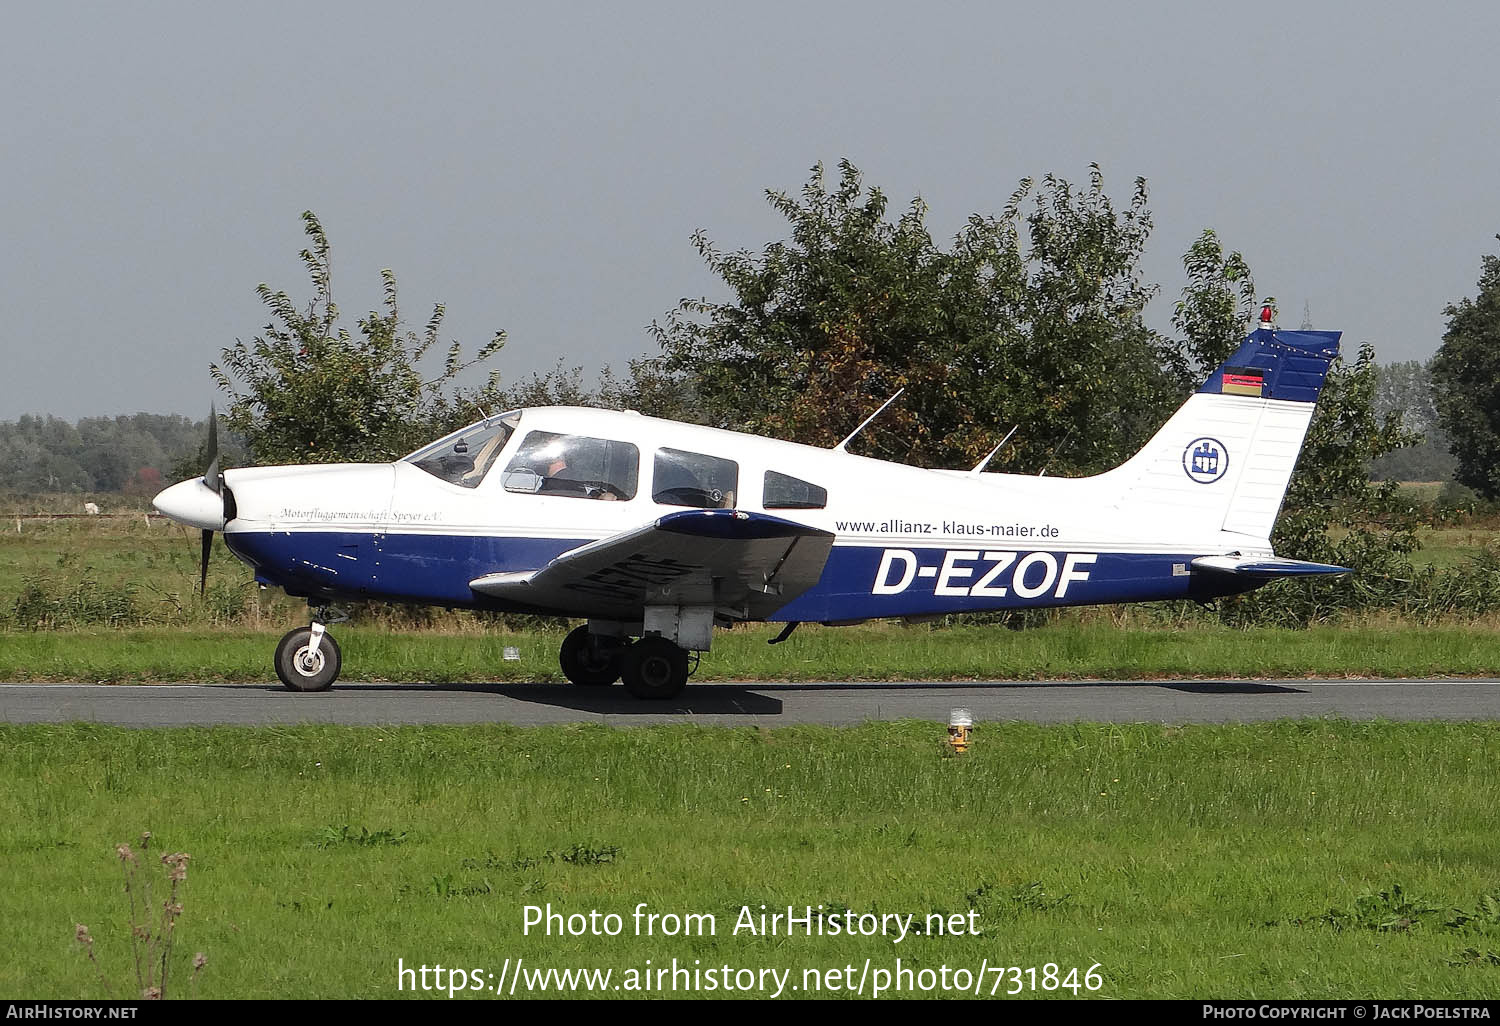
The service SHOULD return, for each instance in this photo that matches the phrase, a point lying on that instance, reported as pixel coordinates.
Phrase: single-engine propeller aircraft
(655, 532)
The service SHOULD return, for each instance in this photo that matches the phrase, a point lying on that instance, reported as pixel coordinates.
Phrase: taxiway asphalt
(753, 704)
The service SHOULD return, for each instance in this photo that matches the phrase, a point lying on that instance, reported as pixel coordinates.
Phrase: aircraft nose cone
(193, 503)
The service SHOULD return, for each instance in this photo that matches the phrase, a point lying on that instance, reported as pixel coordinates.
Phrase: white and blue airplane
(655, 532)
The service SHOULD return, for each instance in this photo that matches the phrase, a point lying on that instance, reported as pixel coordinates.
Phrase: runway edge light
(960, 724)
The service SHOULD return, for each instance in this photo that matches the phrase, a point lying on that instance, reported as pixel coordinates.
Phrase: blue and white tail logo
(1205, 460)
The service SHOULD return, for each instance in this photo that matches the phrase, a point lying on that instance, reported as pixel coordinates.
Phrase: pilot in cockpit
(551, 467)
(556, 480)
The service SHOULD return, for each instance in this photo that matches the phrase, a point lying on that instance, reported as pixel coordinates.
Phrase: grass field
(132, 571)
(1244, 861)
(1450, 546)
(125, 591)
(146, 565)
(1297, 859)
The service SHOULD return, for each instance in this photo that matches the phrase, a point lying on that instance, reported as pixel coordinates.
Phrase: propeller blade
(211, 476)
(208, 544)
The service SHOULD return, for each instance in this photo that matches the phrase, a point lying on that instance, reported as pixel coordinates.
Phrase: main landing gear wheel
(590, 660)
(302, 669)
(655, 668)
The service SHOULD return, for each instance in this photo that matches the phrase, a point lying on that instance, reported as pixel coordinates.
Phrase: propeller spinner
(213, 477)
(203, 502)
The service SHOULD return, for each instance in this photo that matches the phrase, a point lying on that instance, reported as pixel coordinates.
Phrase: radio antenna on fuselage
(865, 423)
(1055, 452)
(979, 468)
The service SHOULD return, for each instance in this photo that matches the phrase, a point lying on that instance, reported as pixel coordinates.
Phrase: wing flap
(743, 564)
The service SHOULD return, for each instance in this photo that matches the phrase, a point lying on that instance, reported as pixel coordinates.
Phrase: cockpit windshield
(464, 457)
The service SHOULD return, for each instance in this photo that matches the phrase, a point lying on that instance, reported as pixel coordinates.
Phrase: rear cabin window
(693, 479)
(573, 466)
(785, 492)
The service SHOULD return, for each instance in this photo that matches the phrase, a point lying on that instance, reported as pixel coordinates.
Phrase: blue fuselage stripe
(433, 569)
(858, 581)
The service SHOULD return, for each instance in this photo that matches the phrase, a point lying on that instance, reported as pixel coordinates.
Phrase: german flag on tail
(1243, 381)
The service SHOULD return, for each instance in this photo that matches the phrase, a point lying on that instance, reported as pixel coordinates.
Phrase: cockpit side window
(785, 492)
(463, 458)
(693, 479)
(574, 466)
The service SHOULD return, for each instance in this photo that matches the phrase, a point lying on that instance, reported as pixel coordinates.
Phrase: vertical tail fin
(1222, 463)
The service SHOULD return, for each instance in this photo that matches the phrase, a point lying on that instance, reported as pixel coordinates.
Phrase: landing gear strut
(307, 658)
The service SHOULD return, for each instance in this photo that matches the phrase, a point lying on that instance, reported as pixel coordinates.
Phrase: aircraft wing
(745, 565)
(1265, 568)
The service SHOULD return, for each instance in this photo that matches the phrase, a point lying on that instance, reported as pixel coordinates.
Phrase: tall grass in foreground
(153, 924)
(1295, 859)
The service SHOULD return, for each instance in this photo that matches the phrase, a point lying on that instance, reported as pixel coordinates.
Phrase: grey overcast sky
(540, 167)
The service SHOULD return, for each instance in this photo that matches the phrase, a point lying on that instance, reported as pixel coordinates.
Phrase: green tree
(1216, 304)
(1332, 486)
(646, 387)
(193, 460)
(99, 454)
(42, 454)
(1032, 317)
(1405, 389)
(1334, 513)
(310, 391)
(1466, 383)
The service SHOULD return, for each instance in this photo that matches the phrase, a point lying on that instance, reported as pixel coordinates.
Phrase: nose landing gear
(307, 658)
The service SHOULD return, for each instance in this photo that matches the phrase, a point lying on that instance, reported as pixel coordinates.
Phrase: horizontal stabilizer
(1264, 568)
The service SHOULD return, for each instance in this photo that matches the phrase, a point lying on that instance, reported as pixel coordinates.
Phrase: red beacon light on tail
(1267, 317)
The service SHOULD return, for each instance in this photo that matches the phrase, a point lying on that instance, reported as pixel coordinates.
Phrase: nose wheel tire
(655, 668)
(590, 661)
(301, 669)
